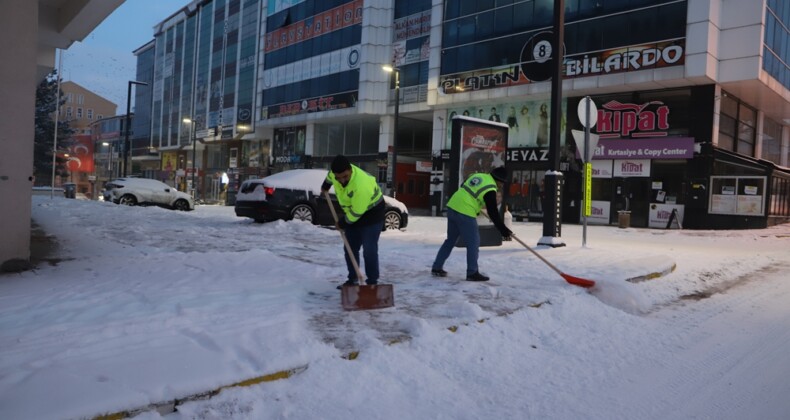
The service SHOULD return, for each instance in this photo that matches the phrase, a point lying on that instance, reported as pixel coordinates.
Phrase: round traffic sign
(581, 111)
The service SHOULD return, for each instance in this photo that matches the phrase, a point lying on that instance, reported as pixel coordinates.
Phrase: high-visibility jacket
(362, 193)
(468, 200)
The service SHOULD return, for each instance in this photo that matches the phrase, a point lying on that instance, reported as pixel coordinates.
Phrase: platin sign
(633, 58)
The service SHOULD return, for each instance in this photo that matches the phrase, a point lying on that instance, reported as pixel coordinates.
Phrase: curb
(168, 407)
(653, 275)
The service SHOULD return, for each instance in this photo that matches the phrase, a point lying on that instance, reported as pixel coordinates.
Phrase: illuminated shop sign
(650, 119)
(633, 58)
(323, 23)
(323, 103)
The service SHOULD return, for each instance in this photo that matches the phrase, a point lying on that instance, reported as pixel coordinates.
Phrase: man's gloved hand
(506, 233)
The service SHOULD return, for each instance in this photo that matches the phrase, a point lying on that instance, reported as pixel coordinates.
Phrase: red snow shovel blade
(363, 297)
(578, 281)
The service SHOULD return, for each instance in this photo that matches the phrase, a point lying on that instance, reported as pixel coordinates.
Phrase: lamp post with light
(191, 122)
(126, 145)
(392, 69)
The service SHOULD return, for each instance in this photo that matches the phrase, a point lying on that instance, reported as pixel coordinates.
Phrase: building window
(99, 116)
(80, 99)
(90, 114)
(68, 113)
(69, 98)
(79, 113)
(737, 122)
(772, 141)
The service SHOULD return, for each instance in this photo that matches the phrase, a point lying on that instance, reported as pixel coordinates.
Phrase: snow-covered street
(143, 306)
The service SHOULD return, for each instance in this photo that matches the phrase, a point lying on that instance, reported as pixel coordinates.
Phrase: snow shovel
(364, 296)
(578, 281)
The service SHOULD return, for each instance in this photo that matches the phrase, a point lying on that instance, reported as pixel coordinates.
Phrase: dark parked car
(296, 195)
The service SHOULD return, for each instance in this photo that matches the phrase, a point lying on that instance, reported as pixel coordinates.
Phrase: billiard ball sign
(537, 57)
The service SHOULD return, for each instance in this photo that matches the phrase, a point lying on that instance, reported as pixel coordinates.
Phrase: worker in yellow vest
(362, 202)
(462, 211)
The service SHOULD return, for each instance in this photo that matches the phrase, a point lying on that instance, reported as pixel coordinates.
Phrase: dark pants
(465, 226)
(366, 237)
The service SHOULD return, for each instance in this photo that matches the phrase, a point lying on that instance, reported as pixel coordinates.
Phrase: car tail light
(269, 191)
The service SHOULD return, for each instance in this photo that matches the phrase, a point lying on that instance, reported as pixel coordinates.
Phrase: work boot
(439, 272)
(347, 283)
(371, 282)
(476, 276)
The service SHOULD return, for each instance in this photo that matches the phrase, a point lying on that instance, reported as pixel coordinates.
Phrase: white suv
(143, 191)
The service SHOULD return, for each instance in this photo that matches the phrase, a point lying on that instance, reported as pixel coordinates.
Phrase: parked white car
(144, 191)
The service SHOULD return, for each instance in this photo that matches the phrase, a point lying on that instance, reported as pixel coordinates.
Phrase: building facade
(692, 101)
(82, 109)
(692, 98)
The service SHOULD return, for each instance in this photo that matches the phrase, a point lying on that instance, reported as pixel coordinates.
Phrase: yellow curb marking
(652, 276)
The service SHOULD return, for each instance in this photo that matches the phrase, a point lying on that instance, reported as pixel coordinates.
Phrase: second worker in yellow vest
(462, 210)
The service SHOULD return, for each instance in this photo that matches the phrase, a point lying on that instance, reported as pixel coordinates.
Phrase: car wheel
(181, 205)
(302, 212)
(391, 220)
(128, 200)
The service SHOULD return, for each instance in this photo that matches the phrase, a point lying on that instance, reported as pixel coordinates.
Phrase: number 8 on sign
(537, 57)
(542, 51)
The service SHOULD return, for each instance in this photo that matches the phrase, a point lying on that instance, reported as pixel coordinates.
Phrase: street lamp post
(392, 69)
(126, 145)
(194, 155)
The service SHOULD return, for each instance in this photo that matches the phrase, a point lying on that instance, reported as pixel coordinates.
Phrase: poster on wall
(478, 146)
(527, 121)
(599, 212)
(482, 146)
(660, 214)
(602, 168)
(737, 195)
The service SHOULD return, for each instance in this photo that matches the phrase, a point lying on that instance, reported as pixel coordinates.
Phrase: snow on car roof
(308, 179)
(311, 180)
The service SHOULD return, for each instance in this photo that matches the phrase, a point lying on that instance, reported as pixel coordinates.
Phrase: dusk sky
(103, 63)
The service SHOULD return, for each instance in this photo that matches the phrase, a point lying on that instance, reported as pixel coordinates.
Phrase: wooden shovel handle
(360, 279)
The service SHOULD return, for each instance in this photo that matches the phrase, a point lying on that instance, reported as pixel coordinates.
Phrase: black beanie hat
(340, 164)
(499, 174)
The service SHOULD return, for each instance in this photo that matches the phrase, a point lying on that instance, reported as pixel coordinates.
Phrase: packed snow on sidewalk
(142, 305)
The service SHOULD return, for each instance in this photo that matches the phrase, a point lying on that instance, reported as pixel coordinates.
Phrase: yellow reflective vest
(360, 195)
(468, 200)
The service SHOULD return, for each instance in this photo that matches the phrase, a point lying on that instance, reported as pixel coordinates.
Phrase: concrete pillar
(758, 138)
(19, 31)
(785, 159)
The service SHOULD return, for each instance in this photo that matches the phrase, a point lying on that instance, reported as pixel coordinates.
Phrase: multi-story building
(692, 98)
(145, 160)
(693, 103)
(82, 109)
(203, 86)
